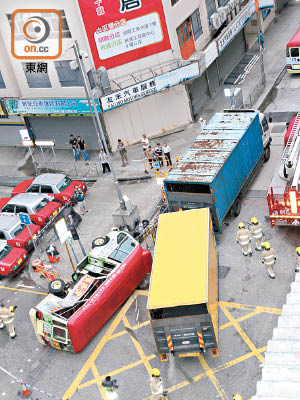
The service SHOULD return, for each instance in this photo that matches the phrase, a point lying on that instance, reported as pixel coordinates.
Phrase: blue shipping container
(215, 168)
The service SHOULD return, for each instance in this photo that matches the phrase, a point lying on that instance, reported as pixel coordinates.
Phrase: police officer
(297, 269)
(243, 237)
(156, 384)
(268, 257)
(7, 319)
(256, 231)
(237, 397)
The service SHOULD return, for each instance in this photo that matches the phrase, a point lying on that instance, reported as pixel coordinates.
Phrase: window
(2, 83)
(46, 189)
(9, 208)
(265, 124)
(41, 205)
(91, 79)
(59, 334)
(295, 52)
(68, 77)
(222, 3)
(173, 2)
(33, 189)
(123, 250)
(64, 184)
(5, 251)
(210, 8)
(196, 24)
(21, 209)
(186, 39)
(36, 79)
(65, 27)
(17, 230)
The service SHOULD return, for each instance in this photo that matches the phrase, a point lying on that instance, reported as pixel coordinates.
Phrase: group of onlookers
(158, 155)
(79, 146)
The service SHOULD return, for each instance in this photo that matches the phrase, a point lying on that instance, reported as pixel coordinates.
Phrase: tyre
(100, 241)
(57, 286)
(267, 154)
(236, 209)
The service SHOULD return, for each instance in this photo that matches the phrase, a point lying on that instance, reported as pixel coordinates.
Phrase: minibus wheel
(57, 286)
(100, 241)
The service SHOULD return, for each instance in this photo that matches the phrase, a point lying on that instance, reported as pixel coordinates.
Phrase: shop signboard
(266, 3)
(150, 86)
(236, 26)
(122, 31)
(49, 106)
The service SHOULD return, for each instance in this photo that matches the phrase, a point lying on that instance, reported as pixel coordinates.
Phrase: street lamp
(94, 111)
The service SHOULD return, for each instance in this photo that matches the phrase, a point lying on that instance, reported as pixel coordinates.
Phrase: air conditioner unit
(215, 21)
(231, 4)
(222, 13)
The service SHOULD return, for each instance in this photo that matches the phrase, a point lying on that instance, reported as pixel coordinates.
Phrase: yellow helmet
(267, 245)
(241, 225)
(237, 397)
(155, 372)
(254, 220)
(298, 250)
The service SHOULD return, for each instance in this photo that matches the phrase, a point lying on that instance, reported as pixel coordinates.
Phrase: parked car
(12, 260)
(15, 233)
(39, 208)
(60, 186)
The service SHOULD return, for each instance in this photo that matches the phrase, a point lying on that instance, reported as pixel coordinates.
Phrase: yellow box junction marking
(145, 360)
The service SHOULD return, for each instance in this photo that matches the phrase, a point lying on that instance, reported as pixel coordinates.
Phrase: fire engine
(283, 195)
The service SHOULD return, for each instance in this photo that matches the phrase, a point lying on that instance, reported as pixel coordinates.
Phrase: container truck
(219, 165)
(183, 293)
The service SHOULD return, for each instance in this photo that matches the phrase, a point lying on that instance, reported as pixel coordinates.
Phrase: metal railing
(251, 93)
(74, 168)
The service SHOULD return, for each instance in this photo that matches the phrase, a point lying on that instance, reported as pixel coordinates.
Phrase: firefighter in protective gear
(7, 319)
(256, 231)
(297, 269)
(237, 397)
(268, 258)
(243, 237)
(156, 385)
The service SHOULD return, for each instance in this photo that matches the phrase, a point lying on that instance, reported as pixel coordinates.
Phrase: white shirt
(166, 149)
(103, 158)
(145, 143)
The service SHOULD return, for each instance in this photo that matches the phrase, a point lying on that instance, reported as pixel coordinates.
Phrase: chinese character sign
(122, 31)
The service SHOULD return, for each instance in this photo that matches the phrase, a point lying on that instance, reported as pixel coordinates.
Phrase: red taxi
(12, 260)
(15, 233)
(59, 186)
(39, 208)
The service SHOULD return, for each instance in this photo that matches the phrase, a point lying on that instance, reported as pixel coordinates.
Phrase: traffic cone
(26, 392)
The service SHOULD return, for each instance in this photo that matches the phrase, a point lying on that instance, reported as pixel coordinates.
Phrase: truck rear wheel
(236, 208)
(267, 154)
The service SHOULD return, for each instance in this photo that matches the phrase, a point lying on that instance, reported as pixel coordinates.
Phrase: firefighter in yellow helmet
(156, 384)
(256, 231)
(268, 258)
(297, 269)
(243, 237)
(237, 397)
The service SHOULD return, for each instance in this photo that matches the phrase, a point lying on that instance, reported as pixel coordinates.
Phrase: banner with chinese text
(121, 31)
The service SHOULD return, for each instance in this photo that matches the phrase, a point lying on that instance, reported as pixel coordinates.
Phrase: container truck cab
(183, 293)
(69, 319)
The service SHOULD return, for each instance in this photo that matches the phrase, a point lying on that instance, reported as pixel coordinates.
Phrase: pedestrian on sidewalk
(7, 319)
(297, 269)
(243, 237)
(82, 147)
(79, 196)
(268, 257)
(159, 154)
(148, 153)
(167, 153)
(156, 384)
(256, 231)
(74, 146)
(202, 123)
(104, 161)
(145, 142)
(123, 153)
(261, 41)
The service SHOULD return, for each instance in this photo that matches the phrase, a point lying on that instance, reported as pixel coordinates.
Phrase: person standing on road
(145, 142)
(167, 153)
(74, 145)
(268, 257)
(79, 196)
(202, 123)
(156, 384)
(261, 40)
(104, 161)
(256, 231)
(82, 147)
(159, 154)
(243, 237)
(123, 153)
(297, 269)
(7, 319)
(148, 154)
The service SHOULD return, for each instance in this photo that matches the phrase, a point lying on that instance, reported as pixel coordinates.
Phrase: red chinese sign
(121, 31)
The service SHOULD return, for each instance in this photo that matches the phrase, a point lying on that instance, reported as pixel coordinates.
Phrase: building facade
(153, 64)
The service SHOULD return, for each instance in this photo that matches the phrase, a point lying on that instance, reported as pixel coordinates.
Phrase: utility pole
(97, 122)
(261, 57)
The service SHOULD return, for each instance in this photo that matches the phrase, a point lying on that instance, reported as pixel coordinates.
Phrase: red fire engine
(284, 193)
